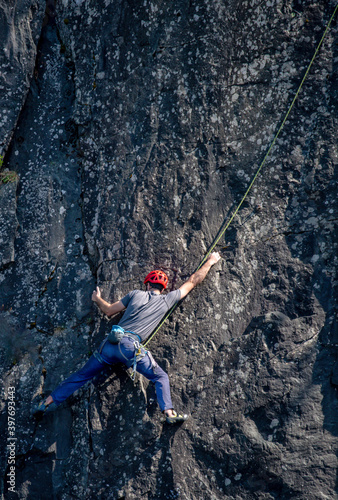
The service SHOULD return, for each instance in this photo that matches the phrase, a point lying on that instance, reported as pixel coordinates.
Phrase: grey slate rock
(8, 222)
(135, 129)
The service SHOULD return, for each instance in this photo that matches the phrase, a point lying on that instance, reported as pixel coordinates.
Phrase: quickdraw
(139, 353)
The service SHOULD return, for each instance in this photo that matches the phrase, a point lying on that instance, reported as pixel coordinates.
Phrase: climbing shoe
(40, 409)
(176, 419)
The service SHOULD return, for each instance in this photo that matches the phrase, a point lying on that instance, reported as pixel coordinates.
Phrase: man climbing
(143, 311)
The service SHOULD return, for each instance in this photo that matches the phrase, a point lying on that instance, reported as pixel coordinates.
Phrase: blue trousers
(114, 353)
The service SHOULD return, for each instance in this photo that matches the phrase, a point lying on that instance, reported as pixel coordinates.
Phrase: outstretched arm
(106, 308)
(199, 275)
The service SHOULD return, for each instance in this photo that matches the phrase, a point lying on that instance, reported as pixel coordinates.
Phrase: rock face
(134, 129)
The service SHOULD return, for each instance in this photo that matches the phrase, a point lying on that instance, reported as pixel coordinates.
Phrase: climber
(143, 311)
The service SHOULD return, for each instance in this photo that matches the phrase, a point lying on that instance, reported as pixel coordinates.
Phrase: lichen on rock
(133, 130)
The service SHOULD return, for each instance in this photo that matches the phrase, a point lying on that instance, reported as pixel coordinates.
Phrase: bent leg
(77, 380)
(153, 372)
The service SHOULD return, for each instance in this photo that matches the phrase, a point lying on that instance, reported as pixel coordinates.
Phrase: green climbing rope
(222, 231)
(213, 245)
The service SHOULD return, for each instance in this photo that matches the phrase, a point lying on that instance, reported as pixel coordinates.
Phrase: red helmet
(157, 277)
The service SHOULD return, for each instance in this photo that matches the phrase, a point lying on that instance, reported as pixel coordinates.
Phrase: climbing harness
(117, 333)
(226, 223)
(115, 336)
(139, 353)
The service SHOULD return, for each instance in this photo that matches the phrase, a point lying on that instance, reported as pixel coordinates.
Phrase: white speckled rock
(135, 128)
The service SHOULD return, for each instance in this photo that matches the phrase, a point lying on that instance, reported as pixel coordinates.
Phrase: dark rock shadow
(134, 442)
(316, 252)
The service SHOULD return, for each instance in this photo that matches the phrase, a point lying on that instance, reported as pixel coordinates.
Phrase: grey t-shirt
(144, 310)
